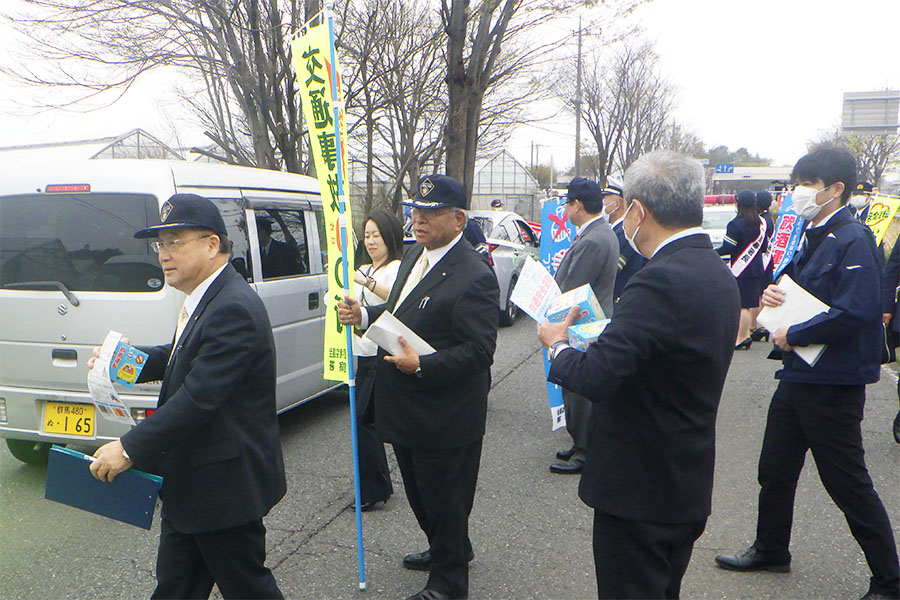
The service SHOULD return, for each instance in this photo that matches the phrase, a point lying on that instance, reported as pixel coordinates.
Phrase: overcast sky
(768, 75)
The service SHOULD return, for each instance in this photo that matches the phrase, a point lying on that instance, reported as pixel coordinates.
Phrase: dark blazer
(447, 406)
(280, 260)
(890, 279)
(592, 258)
(738, 235)
(630, 262)
(214, 437)
(655, 377)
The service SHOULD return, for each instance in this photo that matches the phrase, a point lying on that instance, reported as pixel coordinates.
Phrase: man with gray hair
(654, 377)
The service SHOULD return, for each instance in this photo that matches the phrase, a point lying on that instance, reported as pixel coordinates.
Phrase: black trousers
(440, 487)
(640, 559)
(187, 565)
(826, 420)
(578, 414)
(374, 473)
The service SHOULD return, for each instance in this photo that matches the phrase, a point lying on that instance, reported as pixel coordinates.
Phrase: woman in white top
(384, 246)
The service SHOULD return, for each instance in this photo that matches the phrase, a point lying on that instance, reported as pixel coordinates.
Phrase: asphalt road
(530, 532)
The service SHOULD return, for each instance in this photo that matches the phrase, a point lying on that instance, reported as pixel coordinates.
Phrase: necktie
(182, 321)
(415, 276)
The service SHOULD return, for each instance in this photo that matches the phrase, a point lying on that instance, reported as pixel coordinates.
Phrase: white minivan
(70, 270)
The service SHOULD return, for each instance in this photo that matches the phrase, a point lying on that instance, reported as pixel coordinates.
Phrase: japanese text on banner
(881, 213)
(310, 57)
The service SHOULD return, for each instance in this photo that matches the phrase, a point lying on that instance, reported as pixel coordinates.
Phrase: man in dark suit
(433, 407)
(278, 260)
(214, 435)
(592, 258)
(655, 377)
(630, 262)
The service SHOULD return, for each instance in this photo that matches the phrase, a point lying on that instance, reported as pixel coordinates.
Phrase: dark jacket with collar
(214, 437)
(844, 273)
(455, 308)
(655, 377)
(738, 236)
(592, 258)
(889, 283)
(630, 262)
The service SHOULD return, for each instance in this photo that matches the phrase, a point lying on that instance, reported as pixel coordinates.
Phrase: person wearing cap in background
(630, 262)
(745, 242)
(214, 435)
(432, 408)
(860, 200)
(496, 204)
(593, 258)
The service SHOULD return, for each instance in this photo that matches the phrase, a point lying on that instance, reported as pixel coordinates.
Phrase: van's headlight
(2, 410)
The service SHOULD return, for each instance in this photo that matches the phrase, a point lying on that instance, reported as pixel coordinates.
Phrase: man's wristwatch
(556, 348)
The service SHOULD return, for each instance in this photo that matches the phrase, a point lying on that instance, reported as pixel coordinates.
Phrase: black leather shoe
(367, 506)
(897, 428)
(566, 454)
(745, 345)
(751, 560)
(421, 561)
(567, 468)
(427, 594)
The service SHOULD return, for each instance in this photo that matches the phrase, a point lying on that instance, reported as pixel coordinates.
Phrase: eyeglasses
(173, 245)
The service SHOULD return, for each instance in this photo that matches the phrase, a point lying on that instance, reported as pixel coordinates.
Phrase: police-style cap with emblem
(583, 189)
(613, 187)
(438, 191)
(864, 187)
(186, 210)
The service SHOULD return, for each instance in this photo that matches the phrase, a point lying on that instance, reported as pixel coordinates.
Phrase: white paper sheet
(387, 328)
(102, 391)
(535, 290)
(799, 306)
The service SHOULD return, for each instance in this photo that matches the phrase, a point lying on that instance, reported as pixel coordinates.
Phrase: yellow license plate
(69, 418)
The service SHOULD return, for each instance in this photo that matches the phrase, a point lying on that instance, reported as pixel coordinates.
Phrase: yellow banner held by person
(881, 212)
(311, 57)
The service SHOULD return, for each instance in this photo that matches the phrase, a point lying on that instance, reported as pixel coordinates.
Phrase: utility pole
(578, 107)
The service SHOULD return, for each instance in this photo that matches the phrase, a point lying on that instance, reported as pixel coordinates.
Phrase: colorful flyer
(100, 381)
(126, 364)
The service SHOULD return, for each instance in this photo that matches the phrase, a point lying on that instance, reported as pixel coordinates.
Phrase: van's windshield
(84, 241)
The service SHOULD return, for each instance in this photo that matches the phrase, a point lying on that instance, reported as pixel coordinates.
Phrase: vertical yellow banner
(881, 212)
(312, 65)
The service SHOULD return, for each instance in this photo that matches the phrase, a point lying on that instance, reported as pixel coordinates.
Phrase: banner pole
(337, 101)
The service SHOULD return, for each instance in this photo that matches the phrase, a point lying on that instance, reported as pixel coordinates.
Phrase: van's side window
(319, 216)
(236, 228)
(283, 247)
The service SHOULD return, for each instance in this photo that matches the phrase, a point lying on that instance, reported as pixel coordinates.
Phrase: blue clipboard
(130, 497)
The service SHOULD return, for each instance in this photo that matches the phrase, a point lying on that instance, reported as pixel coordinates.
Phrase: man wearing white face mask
(654, 379)
(860, 200)
(820, 407)
(630, 261)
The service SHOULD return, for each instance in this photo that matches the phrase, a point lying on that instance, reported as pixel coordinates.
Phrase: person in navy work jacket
(820, 407)
(630, 261)
(214, 436)
(654, 377)
(745, 238)
(891, 311)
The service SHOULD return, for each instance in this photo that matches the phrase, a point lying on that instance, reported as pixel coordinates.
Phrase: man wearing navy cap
(860, 200)
(592, 258)
(433, 407)
(214, 436)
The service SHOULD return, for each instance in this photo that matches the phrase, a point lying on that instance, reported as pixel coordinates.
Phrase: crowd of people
(641, 402)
